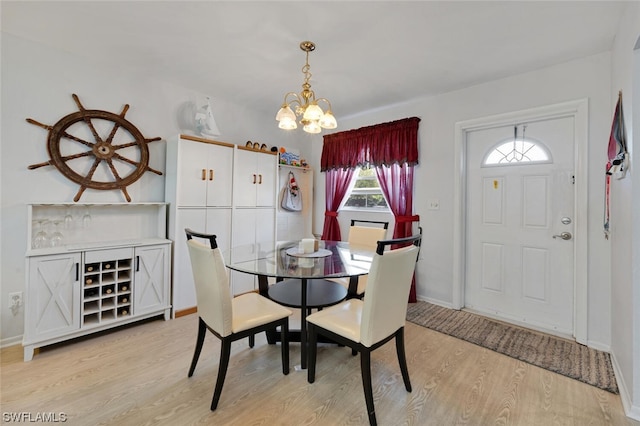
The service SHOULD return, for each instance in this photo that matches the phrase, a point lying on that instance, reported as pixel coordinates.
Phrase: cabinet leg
(28, 352)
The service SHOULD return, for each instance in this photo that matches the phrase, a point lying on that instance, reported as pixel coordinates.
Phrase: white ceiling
(369, 54)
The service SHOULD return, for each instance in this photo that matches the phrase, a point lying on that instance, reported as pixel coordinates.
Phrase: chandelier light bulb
(328, 121)
(312, 127)
(287, 123)
(313, 112)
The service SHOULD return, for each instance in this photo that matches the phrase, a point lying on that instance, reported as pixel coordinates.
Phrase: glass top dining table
(301, 278)
(281, 259)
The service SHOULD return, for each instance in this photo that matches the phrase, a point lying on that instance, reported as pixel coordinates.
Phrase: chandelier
(314, 119)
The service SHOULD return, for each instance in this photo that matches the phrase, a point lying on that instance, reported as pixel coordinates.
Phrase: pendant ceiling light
(314, 119)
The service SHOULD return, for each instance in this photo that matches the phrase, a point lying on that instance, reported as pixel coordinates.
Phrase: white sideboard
(110, 267)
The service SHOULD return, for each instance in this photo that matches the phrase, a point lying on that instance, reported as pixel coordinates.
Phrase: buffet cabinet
(86, 285)
(218, 188)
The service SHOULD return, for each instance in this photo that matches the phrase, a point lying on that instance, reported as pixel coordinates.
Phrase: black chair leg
(312, 352)
(252, 340)
(225, 353)
(284, 343)
(365, 370)
(202, 330)
(402, 359)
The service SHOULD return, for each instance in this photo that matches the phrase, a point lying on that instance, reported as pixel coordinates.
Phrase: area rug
(559, 355)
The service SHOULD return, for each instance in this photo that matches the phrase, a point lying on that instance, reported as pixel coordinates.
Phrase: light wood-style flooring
(138, 376)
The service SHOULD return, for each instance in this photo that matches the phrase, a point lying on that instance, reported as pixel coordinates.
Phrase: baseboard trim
(435, 302)
(631, 411)
(187, 311)
(10, 341)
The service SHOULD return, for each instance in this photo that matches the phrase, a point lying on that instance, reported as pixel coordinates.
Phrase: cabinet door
(219, 176)
(215, 221)
(191, 174)
(250, 226)
(204, 174)
(151, 279)
(266, 189)
(245, 179)
(53, 296)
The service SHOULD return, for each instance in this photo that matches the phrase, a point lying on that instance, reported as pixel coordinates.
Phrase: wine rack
(106, 286)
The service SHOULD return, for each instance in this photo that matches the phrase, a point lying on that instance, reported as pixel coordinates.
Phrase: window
(517, 152)
(366, 192)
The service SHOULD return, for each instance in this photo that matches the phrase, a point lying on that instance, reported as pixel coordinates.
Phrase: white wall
(586, 78)
(37, 82)
(625, 219)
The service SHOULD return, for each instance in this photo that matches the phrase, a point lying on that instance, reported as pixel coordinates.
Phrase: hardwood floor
(138, 376)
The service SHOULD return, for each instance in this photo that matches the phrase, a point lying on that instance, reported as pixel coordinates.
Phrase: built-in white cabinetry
(90, 279)
(199, 189)
(255, 196)
(231, 193)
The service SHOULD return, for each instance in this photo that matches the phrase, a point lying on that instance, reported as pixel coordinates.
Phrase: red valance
(395, 142)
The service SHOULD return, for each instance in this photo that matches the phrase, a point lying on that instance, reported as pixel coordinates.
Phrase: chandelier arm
(296, 99)
(326, 100)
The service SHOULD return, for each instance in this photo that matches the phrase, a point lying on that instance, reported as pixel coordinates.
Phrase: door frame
(578, 110)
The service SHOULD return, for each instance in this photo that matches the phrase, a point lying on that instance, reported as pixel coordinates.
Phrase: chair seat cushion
(343, 319)
(252, 310)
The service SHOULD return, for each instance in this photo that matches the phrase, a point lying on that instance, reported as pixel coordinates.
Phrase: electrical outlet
(15, 302)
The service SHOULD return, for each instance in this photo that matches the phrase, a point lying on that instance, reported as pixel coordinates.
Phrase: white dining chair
(365, 325)
(362, 234)
(229, 318)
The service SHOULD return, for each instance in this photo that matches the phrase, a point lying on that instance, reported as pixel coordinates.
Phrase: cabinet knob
(254, 178)
(210, 174)
(260, 181)
(204, 174)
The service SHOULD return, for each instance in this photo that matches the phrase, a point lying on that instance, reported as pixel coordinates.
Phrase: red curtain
(392, 148)
(395, 142)
(396, 182)
(337, 184)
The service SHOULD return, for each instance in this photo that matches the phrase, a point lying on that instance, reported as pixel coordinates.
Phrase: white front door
(519, 268)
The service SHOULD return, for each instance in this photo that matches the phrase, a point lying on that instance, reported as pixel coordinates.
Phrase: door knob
(564, 235)
(565, 220)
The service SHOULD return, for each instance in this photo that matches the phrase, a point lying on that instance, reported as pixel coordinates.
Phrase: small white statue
(205, 123)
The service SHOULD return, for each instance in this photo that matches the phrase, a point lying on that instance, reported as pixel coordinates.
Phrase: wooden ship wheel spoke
(71, 153)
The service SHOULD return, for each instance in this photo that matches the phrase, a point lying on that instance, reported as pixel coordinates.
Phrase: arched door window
(517, 151)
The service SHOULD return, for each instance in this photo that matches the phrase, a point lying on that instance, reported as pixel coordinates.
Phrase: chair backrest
(367, 236)
(390, 276)
(212, 284)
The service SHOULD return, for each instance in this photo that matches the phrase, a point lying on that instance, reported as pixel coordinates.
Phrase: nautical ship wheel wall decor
(78, 148)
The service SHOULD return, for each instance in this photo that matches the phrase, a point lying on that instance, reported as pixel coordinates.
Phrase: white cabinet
(199, 189)
(222, 189)
(204, 172)
(52, 298)
(93, 282)
(255, 179)
(209, 220)
(151, 278)
(250, 226)
(254, 215)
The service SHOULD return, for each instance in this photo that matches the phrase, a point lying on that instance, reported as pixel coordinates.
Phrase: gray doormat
(555, 354)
